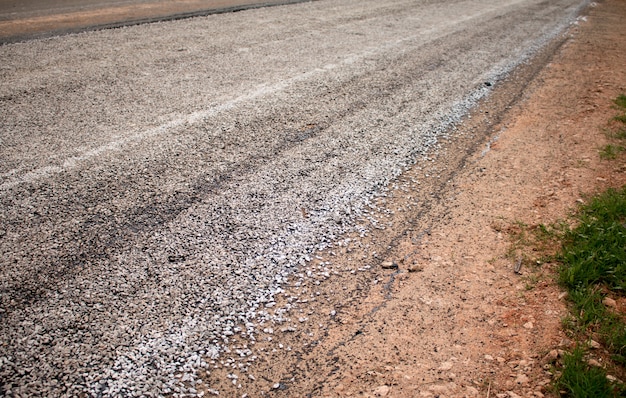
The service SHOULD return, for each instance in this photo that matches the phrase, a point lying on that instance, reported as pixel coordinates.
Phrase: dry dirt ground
(454, 319)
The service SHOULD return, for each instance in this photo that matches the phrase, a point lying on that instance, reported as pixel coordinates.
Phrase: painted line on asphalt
(260, 91)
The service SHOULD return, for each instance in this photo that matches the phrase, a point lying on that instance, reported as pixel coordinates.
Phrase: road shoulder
(468, 324)
(444, 313)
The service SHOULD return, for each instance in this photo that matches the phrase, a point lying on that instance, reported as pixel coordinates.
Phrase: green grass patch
(594, 252)
(581, 380)
(610, 151)
(616, 131)
(620, 101)
(593, 266)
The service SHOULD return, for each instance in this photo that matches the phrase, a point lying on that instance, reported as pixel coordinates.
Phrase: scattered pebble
(551, 356)
(609, 302)
(593, 362)
(446, 366)
(382, 391)
(414, 266)
(389, 265)
(522, 379)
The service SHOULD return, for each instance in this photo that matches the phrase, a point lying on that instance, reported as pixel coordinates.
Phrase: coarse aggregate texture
(22, 20)
(160, 182)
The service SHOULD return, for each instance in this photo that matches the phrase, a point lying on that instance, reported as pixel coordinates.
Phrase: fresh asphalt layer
(160, 182)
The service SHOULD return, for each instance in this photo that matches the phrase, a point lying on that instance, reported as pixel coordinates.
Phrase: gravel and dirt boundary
(454, 319)
(422, 302)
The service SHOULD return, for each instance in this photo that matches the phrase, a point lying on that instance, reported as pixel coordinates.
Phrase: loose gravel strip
(159, 183)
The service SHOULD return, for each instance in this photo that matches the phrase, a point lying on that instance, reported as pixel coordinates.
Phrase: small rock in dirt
(593, 362)
(538, 394)
(566, 343)
(439, 389)
(594, 344)
(528, 325)
(382, 391)
(389, 265)
(414, 267)
(563, 295)
(488, 357)
(446, 366)
(513, 395)
(522, 379)
(609, 302)
(176, 258)
(472, 392)
(552, 356)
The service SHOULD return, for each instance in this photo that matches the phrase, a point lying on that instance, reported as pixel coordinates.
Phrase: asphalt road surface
(160, 182)
(27, 19)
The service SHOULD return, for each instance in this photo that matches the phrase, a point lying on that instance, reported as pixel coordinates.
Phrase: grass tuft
(593, 258)
(594, 252)
(616, 132)
(620, 101)
(581, 380)
(610, 151)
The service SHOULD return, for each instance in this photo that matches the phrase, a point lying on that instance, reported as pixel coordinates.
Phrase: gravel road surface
(159, 183)
(26, 19)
